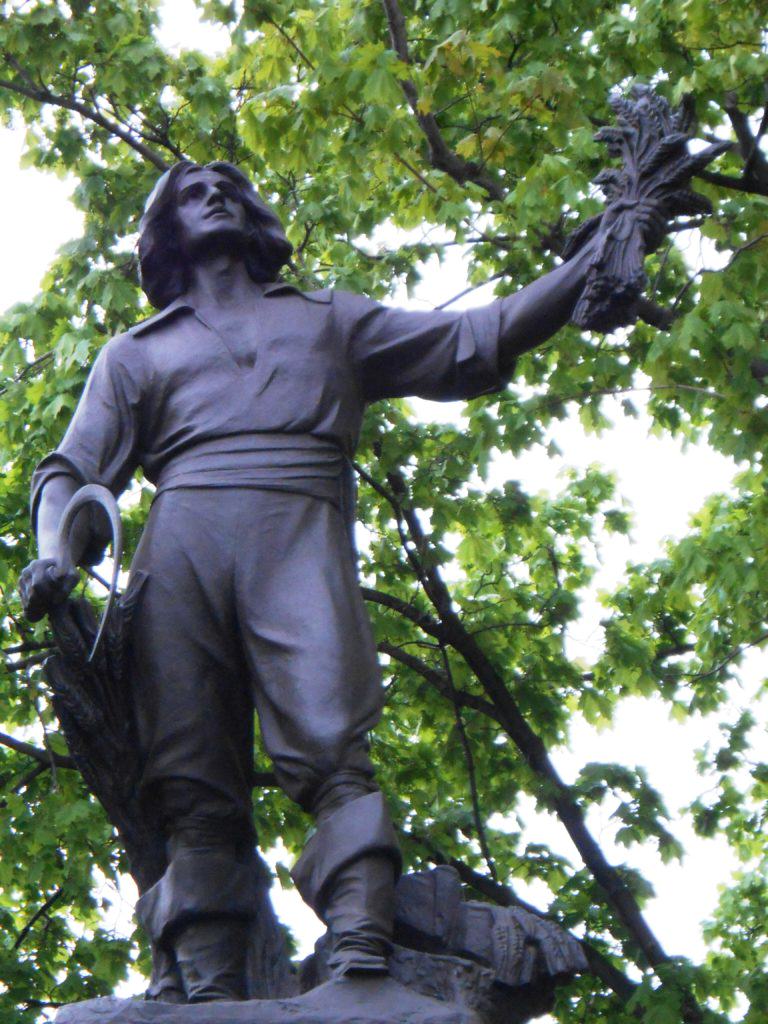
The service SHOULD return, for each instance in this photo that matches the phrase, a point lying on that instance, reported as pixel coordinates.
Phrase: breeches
(251, 601)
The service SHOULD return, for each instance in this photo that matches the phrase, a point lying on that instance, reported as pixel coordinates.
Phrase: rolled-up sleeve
(437, 355)
(101, 445)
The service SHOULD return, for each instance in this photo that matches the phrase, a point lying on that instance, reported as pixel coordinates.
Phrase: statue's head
(165, 257)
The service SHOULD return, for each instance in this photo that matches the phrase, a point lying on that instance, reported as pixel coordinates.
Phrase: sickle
(98, 495)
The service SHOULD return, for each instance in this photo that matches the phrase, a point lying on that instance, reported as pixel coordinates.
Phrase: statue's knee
(326, 775)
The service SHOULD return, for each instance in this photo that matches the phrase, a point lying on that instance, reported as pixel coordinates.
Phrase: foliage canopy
(460, 123)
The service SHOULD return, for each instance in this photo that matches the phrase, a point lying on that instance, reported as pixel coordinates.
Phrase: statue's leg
(200, 911)
(317, 692)
(195, 723)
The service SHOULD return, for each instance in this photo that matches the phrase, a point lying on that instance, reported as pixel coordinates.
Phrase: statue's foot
(211, 956)
(167, 995)
(165, 985)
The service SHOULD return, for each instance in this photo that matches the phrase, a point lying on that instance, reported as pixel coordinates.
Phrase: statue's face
(209, 213)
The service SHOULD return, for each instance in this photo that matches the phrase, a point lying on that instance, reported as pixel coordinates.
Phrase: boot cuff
(357, 829)
(198, 885)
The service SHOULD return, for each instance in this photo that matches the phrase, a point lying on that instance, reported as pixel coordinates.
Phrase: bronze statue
(242, 401)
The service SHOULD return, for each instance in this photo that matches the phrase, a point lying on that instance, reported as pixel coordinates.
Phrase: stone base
(349, 1001)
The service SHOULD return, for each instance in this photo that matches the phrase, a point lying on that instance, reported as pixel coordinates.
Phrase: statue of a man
(242, 400)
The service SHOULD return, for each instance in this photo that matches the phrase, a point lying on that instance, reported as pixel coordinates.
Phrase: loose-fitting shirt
(170, 397)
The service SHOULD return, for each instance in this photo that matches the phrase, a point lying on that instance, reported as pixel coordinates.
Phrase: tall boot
(165, 985)
(203, 906)
(359, 913)
(211, 955)
(347, 874)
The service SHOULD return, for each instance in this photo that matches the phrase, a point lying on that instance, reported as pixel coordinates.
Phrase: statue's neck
(220, 281)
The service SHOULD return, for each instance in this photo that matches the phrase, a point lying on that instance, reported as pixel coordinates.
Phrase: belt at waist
(289, 462)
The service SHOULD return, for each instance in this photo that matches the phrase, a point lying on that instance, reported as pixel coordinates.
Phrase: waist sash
(301, 463)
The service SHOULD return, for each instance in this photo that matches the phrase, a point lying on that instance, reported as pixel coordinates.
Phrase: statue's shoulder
(118, 347)
(119, 357)
(276, 289)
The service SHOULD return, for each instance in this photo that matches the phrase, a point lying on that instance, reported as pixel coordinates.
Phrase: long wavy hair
(165, 271)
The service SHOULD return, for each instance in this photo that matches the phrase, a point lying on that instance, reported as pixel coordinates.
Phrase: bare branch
(44, 95)
(439, 680)
(408, 611)
(556, 793)
(469, 760)
(442, 157)
(44, 757)
(41, 912)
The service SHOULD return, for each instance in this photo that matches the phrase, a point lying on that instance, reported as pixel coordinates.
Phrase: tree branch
(754, 176)
(745, 247)
(729, 181)
(56, 895)
(469, 760)
(661, 655)
(439, 680)
(291, 42)
(608, 392)
(408, 611)
(29, 645)
(29, 777)
(472, 288)
(441, 156)
(38, 364)
(44, 95)
(25, 663)
(555, 792)
(44, 757)
(734, 653)
(755, 164)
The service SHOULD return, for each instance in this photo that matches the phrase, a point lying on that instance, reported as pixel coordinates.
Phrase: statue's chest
(241, 336)
(201, 363)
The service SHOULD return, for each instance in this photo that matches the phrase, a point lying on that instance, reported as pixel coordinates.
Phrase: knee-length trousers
(251, 601)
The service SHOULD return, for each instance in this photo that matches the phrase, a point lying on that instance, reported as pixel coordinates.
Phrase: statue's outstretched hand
(646, 215)
(43, 585)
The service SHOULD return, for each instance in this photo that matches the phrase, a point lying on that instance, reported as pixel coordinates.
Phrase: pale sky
(661, 481)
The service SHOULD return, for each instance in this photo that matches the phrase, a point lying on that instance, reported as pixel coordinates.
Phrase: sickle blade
(97, 495)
